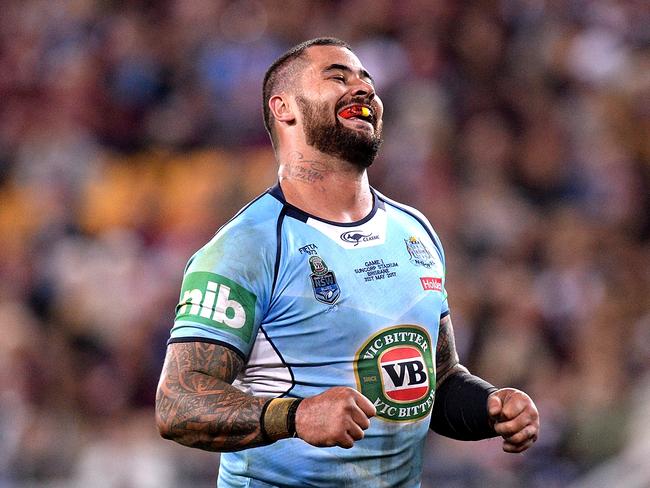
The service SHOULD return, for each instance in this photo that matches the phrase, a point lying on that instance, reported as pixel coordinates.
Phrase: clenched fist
(515, 418)
(336, 417)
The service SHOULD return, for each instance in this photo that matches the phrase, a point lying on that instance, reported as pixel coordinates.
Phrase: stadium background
(130, 130)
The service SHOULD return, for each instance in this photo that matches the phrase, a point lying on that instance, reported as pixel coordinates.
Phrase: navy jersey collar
(295, 212)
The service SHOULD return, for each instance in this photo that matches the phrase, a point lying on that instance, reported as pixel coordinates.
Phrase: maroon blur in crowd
(131, 130)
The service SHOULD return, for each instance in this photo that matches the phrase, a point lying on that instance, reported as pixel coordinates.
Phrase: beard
(359, 148)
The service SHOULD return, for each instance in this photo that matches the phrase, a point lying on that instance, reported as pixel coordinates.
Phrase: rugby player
(313, 342)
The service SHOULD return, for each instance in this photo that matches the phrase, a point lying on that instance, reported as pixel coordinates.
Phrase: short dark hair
(278, 70)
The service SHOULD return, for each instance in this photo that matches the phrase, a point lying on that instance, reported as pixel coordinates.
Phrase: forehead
(326, 55)
(320, 57)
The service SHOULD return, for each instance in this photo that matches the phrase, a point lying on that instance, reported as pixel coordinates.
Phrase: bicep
(447, 361)
(183, 359)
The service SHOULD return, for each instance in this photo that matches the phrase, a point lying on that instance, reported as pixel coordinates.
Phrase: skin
(336, 190)
(512, 412)
(197, 406)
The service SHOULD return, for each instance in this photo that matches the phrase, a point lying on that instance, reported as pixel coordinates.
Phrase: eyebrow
(342, 67)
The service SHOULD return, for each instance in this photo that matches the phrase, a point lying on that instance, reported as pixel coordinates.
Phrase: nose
(363, 88)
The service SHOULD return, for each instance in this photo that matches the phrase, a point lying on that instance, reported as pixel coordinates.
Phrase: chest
(353, 283)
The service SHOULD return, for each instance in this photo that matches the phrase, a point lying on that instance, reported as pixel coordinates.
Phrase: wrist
(278, 418)
(460, 410)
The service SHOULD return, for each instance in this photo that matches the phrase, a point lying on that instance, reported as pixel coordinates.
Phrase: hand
(515, 418)
(336, 417)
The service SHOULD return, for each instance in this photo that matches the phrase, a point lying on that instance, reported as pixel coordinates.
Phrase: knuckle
(518, 447)
(502, 429)
(526, 418)
(511, 437)
(531, 432)
(508, 428)
(519, 438)
(347, 443)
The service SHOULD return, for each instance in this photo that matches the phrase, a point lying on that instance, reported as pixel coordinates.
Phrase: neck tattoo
(305, 170)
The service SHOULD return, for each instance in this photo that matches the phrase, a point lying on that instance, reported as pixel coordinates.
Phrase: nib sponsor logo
(213, 300)
(224, 311)
(433, 284)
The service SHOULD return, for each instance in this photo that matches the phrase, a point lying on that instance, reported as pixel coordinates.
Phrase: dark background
(130, 131)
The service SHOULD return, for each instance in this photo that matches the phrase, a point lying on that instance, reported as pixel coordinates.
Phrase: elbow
(173, 428)
(164, 429)
(170, 425)
(164, 417)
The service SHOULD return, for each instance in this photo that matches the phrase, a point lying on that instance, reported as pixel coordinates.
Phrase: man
(313, 329)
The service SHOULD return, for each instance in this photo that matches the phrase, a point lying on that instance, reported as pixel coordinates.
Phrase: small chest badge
(323, 281)
(419, 255)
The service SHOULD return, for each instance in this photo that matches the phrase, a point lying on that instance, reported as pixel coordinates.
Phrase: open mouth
(357, 111)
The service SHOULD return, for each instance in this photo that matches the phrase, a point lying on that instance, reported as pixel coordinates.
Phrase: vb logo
(395, 371)
(404, 374)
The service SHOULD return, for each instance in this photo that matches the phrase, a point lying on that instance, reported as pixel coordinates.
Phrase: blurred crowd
(131, 130)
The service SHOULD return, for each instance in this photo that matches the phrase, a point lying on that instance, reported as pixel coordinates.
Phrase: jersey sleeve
(444, 311)
(226, 288)
(435, 240)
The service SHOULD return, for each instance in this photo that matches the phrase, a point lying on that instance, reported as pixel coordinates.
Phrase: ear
(281, 109)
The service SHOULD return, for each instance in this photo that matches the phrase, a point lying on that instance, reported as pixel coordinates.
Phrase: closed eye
(338, 70)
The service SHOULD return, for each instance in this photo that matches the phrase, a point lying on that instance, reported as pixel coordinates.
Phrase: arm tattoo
(197, 406)
(447, 362)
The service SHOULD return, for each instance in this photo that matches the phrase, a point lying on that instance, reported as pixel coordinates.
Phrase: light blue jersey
(311, 304)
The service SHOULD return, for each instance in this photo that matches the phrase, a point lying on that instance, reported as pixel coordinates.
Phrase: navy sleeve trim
(444, 314)
(278, 250)
(284, 363)
(179, 340)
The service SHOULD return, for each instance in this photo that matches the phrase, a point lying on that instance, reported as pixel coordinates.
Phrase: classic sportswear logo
(214, 300)
(395, 371)
(355, 236)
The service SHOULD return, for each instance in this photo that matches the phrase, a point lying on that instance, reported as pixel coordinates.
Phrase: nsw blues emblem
(419, 255)
(323, 281)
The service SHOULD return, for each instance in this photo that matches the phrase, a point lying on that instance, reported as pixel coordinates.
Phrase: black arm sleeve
(460, 408)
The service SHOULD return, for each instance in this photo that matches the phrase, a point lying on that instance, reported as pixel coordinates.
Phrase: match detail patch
(394, 369)
(214, 300)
